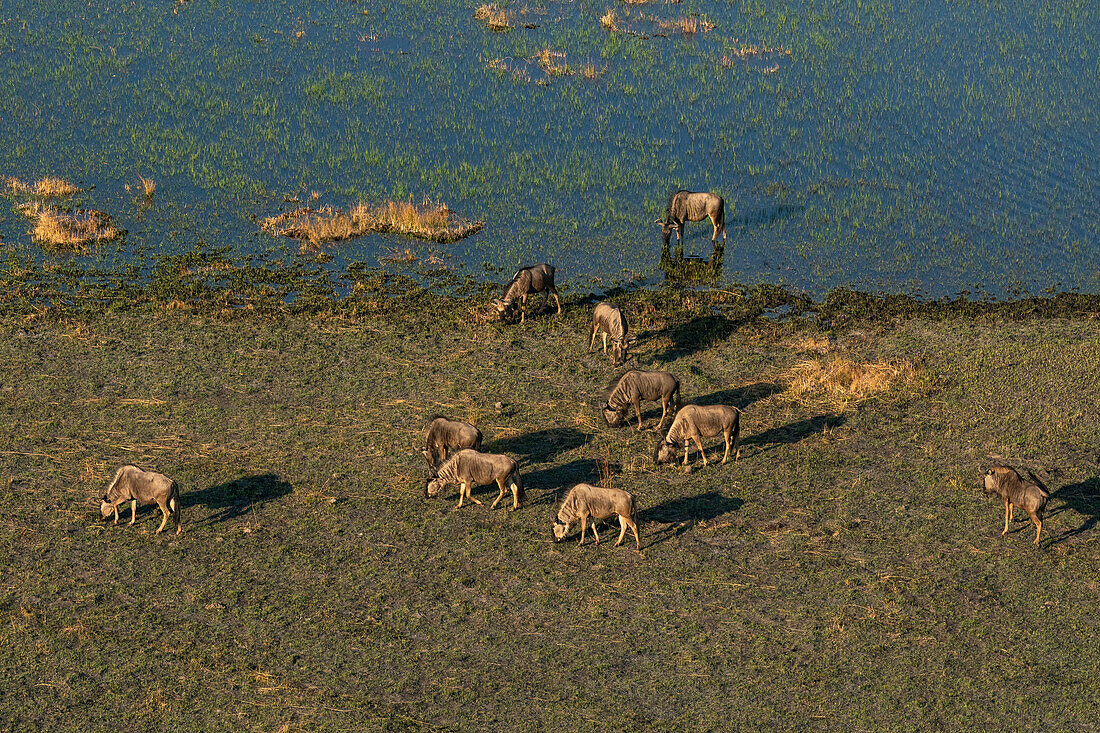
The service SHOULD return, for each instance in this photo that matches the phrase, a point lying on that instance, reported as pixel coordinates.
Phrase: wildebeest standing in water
(535, 279)
(695, 422)
(444, 437)
(146, 487)
(635, 386)
(684, 206)
(1014, 491)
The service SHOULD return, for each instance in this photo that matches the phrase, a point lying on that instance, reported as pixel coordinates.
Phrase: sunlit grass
(75, 229)
(495, 18)
(48, 187)
(431, 220)
(838, 381)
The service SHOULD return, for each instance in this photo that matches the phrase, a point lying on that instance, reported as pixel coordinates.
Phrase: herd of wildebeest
(452, 448)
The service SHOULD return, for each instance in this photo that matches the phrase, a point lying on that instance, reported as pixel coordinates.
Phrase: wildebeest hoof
(687, 469)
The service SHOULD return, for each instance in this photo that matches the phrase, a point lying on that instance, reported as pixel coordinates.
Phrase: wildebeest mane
(671, 196)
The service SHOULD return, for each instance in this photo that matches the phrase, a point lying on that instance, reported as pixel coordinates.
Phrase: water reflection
(681, 270)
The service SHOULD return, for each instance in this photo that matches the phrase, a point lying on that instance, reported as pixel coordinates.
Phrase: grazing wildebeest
(535, 279)
(147, 487)
(608, 320)
(444, 437)
(585, 500)
(1014, 491)
(695, 422)
(684, 206)
(635, 386)
(468, 468)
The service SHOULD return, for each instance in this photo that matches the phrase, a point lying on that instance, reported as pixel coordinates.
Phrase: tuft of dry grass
(430, 220)
(838, 381)
(609, 21)
(552, 62)
(756, 51)
(495, 18)
(48, 187)
(60, 228)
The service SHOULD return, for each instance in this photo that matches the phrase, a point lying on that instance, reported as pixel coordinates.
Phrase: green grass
(846, 573)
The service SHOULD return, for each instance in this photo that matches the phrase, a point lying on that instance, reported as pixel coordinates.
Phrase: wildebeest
(469, 468)
(146, 487)
(1014, 491)
(444, 437)
(585, 500)
(535, 279)
(695, 422)
(684, 206)
(635, 386)
(610, 321)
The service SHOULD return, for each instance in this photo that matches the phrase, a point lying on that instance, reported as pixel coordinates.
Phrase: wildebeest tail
(676, 400)
(521, 495)
(1038, 482)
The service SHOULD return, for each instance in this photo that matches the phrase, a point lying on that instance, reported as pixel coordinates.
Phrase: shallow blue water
(901, 146)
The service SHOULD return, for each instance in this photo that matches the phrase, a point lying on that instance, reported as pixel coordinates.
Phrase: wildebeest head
(668, 226)
(504, 308)
(433, 487)
(994, 477)
(620, 350)
(560, 529)
(613, 418)
(106, 508)
(665, 452)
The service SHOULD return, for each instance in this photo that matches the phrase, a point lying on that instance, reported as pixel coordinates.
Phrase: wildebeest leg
(726, 456)
(164, 519)
(1008, 515)
(523, 307)
(461, 494)
(515, 496)
(1038, 522)
(133, 511)
(594, 523)
(604, 334)
(557, 301)
(664, 411)
(584, 526)
(687, 449)
(622, 530)
(469, 494)
(638, 412)
(115, 507)
(702, 452)
(592, 341)
(500, 483)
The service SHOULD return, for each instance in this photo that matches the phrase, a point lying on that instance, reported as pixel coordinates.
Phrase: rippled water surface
(927, 148)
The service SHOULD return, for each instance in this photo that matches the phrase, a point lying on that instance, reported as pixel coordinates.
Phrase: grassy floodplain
(847, 573)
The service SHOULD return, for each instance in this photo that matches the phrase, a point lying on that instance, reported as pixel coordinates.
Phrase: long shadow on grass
(1083, 498)
(696, 335)
(554, 481)
(680, 514)
(793, 433)
(237, 497)
(541, 445)
(740, 397)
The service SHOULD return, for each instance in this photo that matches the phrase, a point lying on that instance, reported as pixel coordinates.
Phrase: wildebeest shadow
(793, 433)
(554, 481)
(541, 445)
(740, 397)
(1083, 498)
(237, 497)
(696, 335)
(680, 513)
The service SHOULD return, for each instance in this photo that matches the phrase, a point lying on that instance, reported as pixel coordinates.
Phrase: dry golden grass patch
(60, 228)
(609, 21)
(48, 187)
(495, 18)
(552, 62)
(811, 343)
(838, 381)
(430, 220)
